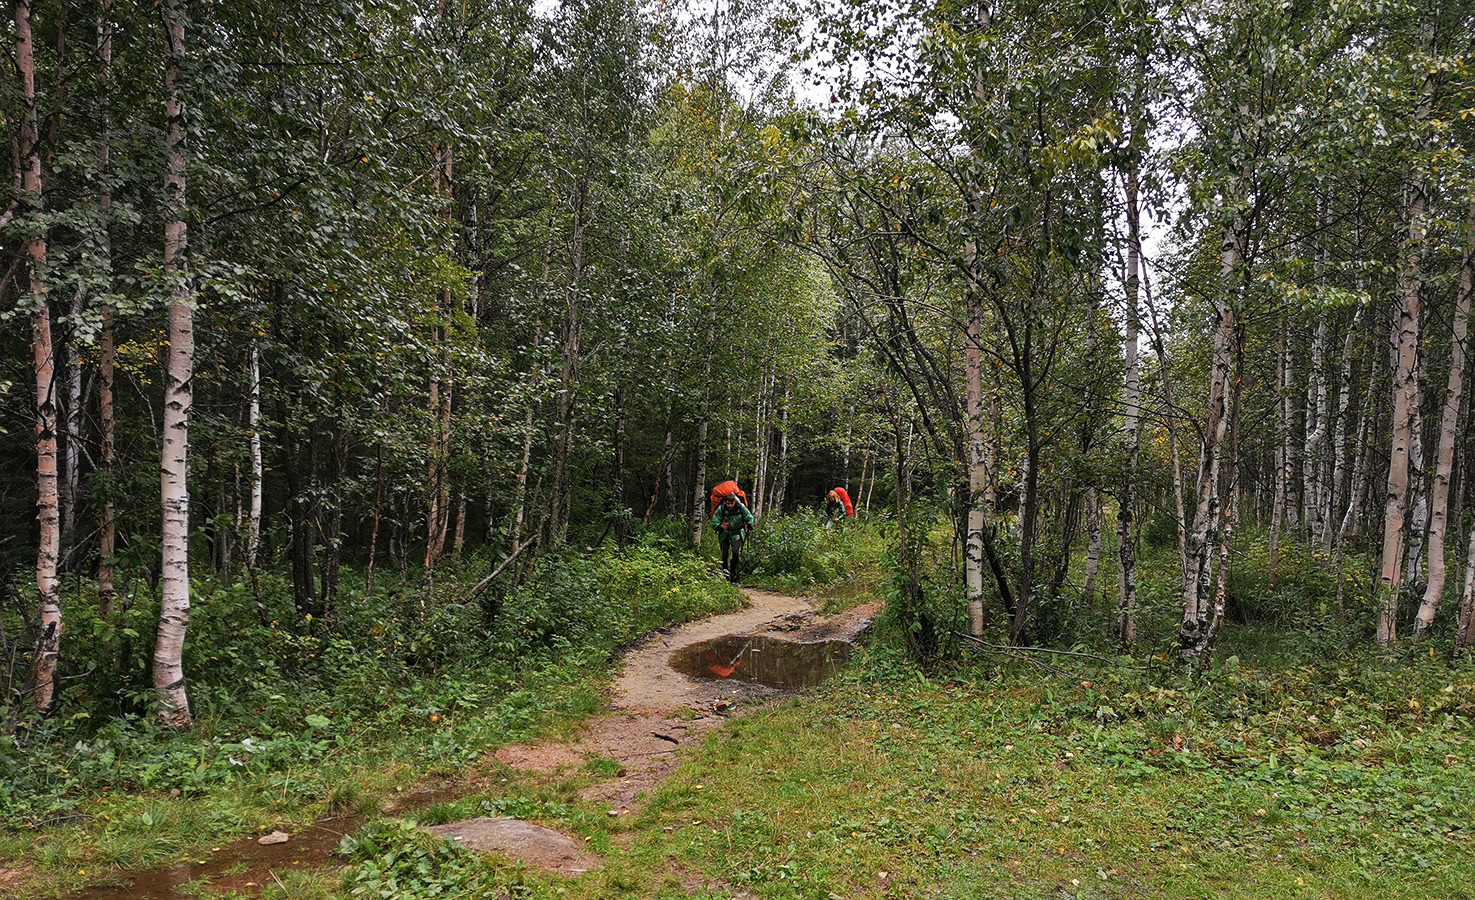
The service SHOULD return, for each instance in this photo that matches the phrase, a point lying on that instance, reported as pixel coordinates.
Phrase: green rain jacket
(738, 520)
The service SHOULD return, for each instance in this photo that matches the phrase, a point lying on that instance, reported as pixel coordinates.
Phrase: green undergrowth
(1336, 782)
(837, 563)
(998, 779)
(298, 718)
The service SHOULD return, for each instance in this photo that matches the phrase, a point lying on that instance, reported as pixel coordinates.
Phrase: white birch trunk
(1405, 342)
(1344, 422)
(258, 468)
(978, 455)
(1202, 536)
(704, 417)
(1448, 435)
(1405, 354)
(1316, 432)
(1126, 625)
(168, 667)
(1418, 496)
(48, 511)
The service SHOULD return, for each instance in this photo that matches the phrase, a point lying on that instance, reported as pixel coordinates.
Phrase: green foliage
(398, 859)
(656, 587)
(924, 602)
(803, 550)
(279, 697)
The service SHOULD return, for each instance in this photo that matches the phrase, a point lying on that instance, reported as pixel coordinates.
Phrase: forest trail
(654, 711)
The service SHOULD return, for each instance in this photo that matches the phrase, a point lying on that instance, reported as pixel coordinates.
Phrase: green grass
(1293, 768)
(1339, 782)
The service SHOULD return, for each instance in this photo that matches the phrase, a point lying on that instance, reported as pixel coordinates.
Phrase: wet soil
(673, 688)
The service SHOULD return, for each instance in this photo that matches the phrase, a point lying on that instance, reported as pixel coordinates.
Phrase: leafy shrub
(660, 588)
(398, 859)
(803, 549)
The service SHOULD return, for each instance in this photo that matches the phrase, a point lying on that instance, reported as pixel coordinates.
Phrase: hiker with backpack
(838, 505)
(732, 522)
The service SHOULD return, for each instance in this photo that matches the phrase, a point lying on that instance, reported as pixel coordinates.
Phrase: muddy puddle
(758, 659)
(246, 866)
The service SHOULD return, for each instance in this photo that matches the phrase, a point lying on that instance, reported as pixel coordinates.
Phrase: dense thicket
(486, 280)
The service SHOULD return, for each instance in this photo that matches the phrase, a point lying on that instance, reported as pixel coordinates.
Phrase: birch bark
(174, 614)
(1448, 435)
(1405, 356)
(43, 355)
(1194, 634)
(1126, 625)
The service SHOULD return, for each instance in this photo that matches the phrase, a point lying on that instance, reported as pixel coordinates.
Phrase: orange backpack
(727, 487)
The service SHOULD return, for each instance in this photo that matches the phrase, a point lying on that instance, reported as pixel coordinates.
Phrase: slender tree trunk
(374, 527)
(561, 490)
(1418, 495)
(1202, 537)
(1313, 463)
(1405, 397)
(1316, 432)
(982, 455)
(1126, 624)
(1448, 435)
(1291, 460)
(1093, 543)
(780, 483)
(107, 541)
(661, 462)
(258, 467)
(1226, 532)
(1344, 423)
(520, 493)
(978, 447)
(762, 444)
(1282, 457)
(70, 488)
(168, 669)
(704, 418)
(107, 353)
(617, 502)
(48, 511)
(1466, 629)
(438, 500)
(1405, 358)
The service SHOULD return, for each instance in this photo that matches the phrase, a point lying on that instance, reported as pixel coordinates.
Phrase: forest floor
(622, 754)
(654, 712)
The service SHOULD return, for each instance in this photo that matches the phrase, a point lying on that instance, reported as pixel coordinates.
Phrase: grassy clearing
(1293, 769)
(1344, 781)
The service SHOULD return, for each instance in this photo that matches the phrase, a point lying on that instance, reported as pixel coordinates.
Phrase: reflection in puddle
(785, 665)
(245, 866)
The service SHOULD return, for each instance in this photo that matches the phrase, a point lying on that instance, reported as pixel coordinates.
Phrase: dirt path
(654, 711)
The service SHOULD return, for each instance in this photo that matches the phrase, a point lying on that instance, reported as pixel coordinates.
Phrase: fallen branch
(1008, 648)
(1022, 654)
(482, 585)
